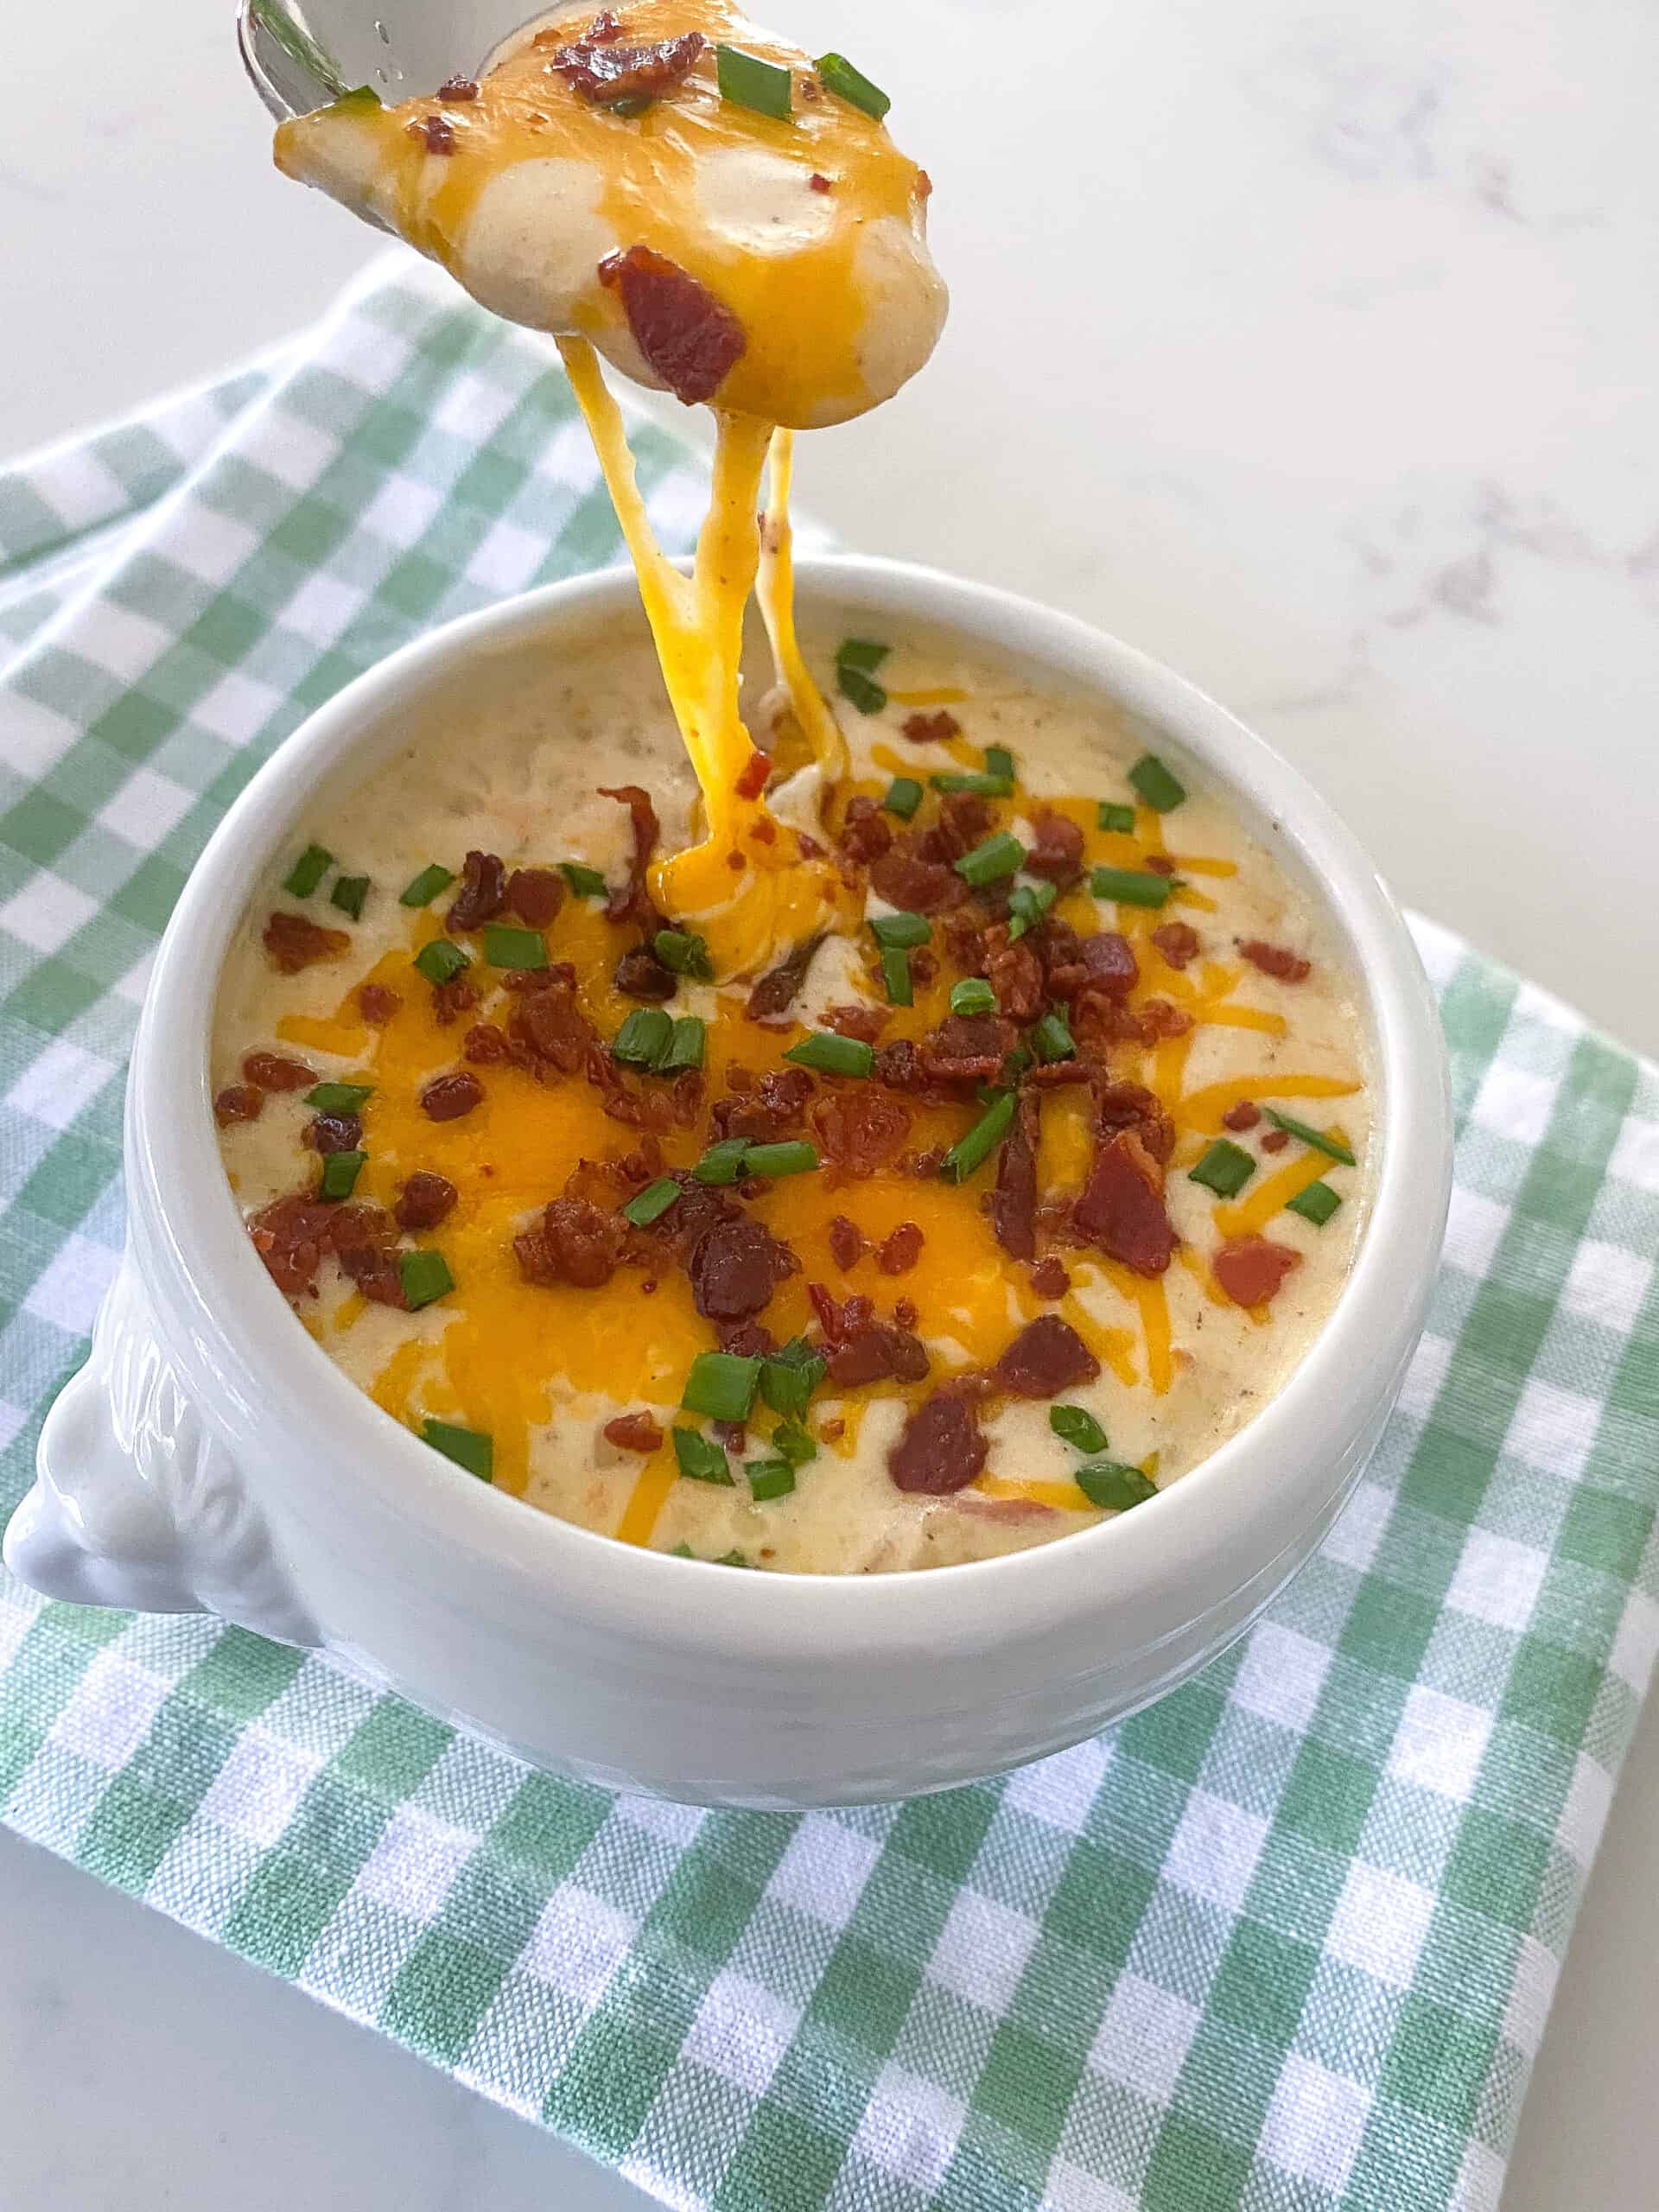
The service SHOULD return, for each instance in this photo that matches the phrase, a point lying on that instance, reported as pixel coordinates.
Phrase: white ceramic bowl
(211, 1455)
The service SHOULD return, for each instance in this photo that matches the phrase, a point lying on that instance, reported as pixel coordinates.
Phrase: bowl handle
(136, 1502)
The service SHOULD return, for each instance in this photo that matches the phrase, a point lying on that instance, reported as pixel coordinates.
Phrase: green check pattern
(1284, 1943)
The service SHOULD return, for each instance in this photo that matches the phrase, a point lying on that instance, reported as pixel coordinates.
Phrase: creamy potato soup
(991, 1207)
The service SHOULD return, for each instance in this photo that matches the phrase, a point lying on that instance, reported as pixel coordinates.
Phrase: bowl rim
(225, 1320)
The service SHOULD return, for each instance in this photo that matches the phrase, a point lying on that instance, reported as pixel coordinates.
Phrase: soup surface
(1001, 1204)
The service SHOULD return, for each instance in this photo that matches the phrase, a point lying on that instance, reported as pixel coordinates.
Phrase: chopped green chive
(308, 871)
(586, 882)
(732, 1558)
(798, 1158)
(700, 1460)
(722, 1162)
(1076, 1426)
(1014, 1065)
(341, 1170)
(791, 1442)
(769, 1479)
(998, 761)
(645, 1037)
(423, 889)
(468, 1447)
(511, 947)
(1333, 1146)
(653, 1201)
(1051, 1038)
(720, 1385)
(747, 81)
(425, 1276)
(831, 1054)
(348, 894)
(338, 1097)
(441, 961)
(1155, 784)
(1027, 904)
(895, 973)
(684, 952)
(1117, 1487)
(857, 660)
(979, 782)
(972, 995)
(788, 1378)
(901, 928)
(685, 1048)
(852, 84)
(1114, 815)
(1316, 1203)
(359, 95)
(970, 1153)
(1129, 886)
(867, 653)
(997, 856)
(903, 797)
(1224, 1169)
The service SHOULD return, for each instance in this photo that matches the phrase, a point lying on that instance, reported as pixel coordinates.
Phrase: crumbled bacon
(239, 1102)
(363, 1244)
(866, 1023)
(1015, 974)
(1049, 1280)
(941, 1449)
(734, 1268)
(1121, 1205)
(967, 1048)
(898, 1253)
(964, 822)
(448, 1097)
(435, 132)
(1131, 1106)
(936, 728)
(327, 1133)
(964, 941)
(574, 1242)
(603, 71)
(293, 1234)
(1057, 853)
(424, 1200)
(376, 1004)
(1276, 960)
(1103, 965)
(763, 1111)
(485, 1045)
(550, 1033)
(774, 993)
(818, 183)
(917, 887)
(630, 899)
(1013, 1202)
(847, 1243)
(860, 1129)
(1252, 1269)
(483, 892)
(1178, 941)
(748, 1340)
(752, 777)
(270, 1071)
(865, 833)
(458, 89)
(690, 339)
(634, 1433)
(1244, 1115)
(881, 1351)
(293, 941)
(451, 1000)
(535, 895)
(641, 975)
(1159, 864)
(898, 1065)
(1158, 1018)
(1276, 1141)
(1047, 1356)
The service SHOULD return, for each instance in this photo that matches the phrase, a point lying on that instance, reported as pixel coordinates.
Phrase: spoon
(302, 54)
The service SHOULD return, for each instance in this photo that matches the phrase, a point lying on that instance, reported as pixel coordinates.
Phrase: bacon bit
(1251, 1269)
(832, 1431)
(1158, 864)
(1177, 941)
(860, 1127)
(817, 182)
(1276, 1141)
(761, 832)
(1158, 1018)
(898, 1253)
(641, 975)
(483, 892)
(865, 833)
(435, 132)
(735, 1267)
(446, 1098)
(604, 73)
(931, 729)
(1057, 1075)
(327, 1133)
(773, 994)
(964, 941)
(735, 861)
(549, 1032)
(688, 337)
(1013, 1202)
(293, 1235)
(485, 1045)
(809, 847)
(457, 88)
(1057, 853)
(1131, 1106)
(1047, 1356)
(923, 185)
(451, 1000)
(535, 895)
(916, 887)
(1015, 974)
(424, 1200)
(1274, 960)
(967, 1048)
(634, 1433)
(1244, 1115)
(240, 1101)
(629, 900)
(1049, 1280)
(363, 1245)
(847, 1243)
(940, 1450)
(752, 778)
(293, 941)
(923, 1166)
(376, 1004)
(866, 1023)
(270, 1071)
(1102, 966)
(875, 1351)
(576, 1241)
(1121, 1206)
(964, 823)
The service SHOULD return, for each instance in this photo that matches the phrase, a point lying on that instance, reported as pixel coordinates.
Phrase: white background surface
(1309, 346)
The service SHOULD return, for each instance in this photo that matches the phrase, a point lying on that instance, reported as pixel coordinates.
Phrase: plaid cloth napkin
(1287, 1940)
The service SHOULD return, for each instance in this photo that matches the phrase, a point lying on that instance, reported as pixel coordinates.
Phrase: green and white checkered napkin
(1287, 1940)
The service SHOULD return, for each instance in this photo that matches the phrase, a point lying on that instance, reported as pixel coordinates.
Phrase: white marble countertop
(1310, 346)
